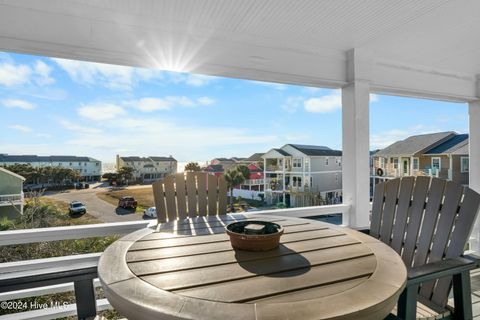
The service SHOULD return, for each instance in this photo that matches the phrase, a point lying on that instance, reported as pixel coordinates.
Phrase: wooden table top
(188, 270)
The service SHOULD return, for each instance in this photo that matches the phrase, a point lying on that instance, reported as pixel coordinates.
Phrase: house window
(436, 163)
(382, 163)
(415, 164)
(297, 162)
(395, 163)
(297, 181)
(326, 161)
(464, 164)
(79, 163)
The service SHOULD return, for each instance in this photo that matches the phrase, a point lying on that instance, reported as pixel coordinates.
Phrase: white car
(150, 212)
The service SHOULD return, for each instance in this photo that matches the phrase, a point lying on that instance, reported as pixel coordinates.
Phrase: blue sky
(55, 106)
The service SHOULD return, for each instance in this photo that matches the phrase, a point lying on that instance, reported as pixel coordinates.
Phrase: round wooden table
(188, 270)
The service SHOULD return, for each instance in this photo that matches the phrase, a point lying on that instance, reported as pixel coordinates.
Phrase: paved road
(97, 207)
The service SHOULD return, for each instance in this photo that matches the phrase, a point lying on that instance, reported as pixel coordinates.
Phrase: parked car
(150, 212)
(76, 207)
(127, 202)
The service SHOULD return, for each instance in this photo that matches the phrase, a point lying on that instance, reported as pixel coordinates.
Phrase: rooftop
(415, 144)
(311, 150)
(33, 158)
(451, 145)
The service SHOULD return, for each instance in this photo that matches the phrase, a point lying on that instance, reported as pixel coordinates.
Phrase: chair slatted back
(424, 220)
(188, 195)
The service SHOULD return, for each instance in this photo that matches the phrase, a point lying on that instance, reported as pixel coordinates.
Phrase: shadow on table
(281, 262)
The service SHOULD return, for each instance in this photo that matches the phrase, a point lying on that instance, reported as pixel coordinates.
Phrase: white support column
(356, 138)
(356, 152)
(474, 164)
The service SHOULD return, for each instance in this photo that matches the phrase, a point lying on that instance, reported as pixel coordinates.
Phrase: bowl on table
(254, 235)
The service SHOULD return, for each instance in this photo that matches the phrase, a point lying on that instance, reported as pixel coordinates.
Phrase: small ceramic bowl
(254, 235)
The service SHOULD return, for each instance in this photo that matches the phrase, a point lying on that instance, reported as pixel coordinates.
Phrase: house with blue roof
(442, 154)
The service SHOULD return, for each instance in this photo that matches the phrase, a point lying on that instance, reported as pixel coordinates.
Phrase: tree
(192, 166)
(233, 178)
(110, 176)
(243, 169)
(125, 173)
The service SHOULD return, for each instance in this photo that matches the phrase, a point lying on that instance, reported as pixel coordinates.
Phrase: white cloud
(108, 75)
(198, 80)
(138, 135)
(292, 104)
(181, 101)
(21, 128)
(17, 103)
(205, 101)
(151, 104)
(43, 71)
(374, 97)
(383, 139)
(324, 104)
(167, 103)
(101, 111)
(78, 127)
(12, 74)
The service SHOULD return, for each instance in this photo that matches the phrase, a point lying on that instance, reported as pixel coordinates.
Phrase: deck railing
(15, 237)
(11, 199)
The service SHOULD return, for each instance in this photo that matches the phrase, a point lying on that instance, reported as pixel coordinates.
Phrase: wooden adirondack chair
(189, 195)
(428, 222)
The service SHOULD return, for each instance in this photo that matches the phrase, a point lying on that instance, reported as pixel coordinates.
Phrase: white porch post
(474, 164)
(356, 140)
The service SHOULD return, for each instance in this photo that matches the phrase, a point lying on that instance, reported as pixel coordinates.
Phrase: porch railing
(26, 236)
(11, 199)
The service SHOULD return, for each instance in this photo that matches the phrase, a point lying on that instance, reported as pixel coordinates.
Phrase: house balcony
(297, 188)
(11, 199)
(274, 168)
(396, 173)
(274, 184)
(251, 182)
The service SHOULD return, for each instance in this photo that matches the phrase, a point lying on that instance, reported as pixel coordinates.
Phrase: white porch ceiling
(427, 48)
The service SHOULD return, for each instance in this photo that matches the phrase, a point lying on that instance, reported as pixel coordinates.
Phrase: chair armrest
(439, 269)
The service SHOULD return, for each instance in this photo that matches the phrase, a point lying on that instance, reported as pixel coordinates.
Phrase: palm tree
(233, 178)
(243, 169)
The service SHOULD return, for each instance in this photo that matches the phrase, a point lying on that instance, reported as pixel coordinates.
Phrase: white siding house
(147, 169)
(302, 175)
(90, 169)
(11, 194)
